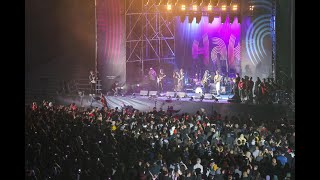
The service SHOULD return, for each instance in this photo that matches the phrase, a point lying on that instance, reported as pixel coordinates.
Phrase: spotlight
(223, 7)
(209, 7)
(235, 7)
(169, 7)
(183, 7)
(194, 7)
(251, 8)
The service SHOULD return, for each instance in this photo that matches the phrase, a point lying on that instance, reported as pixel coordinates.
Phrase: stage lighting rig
(209, 7)
(183, 7)
(194, 7)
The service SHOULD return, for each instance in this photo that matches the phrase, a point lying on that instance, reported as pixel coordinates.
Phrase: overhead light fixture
(223, 7)
(194, 7)
(183, 7)
(235, 7)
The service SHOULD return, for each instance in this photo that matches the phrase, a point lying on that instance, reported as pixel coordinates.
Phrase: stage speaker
(208, 96)
(197, 95)
(143, 93)
(153, 93)
(170, 94)
(181, 94)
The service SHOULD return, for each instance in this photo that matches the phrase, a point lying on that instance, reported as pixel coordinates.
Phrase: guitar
(180, 78)
(217, 79)
(160, 78)
(205, 79)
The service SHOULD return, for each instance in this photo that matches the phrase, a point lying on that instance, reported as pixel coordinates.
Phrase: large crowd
(67, 142)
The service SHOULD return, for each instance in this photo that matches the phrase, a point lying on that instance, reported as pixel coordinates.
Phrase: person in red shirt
(73, 107)
(34, 106)
(103, 100)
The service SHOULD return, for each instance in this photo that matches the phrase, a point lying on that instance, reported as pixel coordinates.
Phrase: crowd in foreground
(65, 142)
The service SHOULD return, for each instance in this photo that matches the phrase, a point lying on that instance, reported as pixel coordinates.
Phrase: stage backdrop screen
(208, 45)
(256, 41)
(111, 63)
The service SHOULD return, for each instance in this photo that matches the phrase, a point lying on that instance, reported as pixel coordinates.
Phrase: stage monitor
(143, 93)
(181, 94)
(197, 95)
(153, 93)
(171, 94)
(208, 96)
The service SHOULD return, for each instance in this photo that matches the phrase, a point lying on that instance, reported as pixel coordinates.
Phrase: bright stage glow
(198, 90)
(223, 7)
(169, 7)
(209, 7)
(194, 7)
(235, 7)
(183, 7)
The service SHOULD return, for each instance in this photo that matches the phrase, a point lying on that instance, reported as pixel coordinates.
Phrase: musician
(175, 79)
(217, 79)
(206, 80)
(92, 79)
(115, 88)
(160, 80)
(152, 78)
(181, 80)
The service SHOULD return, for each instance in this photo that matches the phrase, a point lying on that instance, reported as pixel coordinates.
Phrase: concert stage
(184, 105)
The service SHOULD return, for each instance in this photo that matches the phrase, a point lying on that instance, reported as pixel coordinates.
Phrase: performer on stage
(153, 79)
(206, 81)
(160, 80)
(92, 81)
(180, 80)
(115, 88)
(217, 79)
(175, 79)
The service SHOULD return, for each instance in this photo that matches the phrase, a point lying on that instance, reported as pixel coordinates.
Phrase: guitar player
(206, 81)
(160, 80)
(217, 79)
(92, 81)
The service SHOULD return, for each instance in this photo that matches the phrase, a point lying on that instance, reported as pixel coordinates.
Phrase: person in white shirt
(198, 165)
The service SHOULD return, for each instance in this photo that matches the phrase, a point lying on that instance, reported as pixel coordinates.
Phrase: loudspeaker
(143, 93)
(208, 96)
(181, 94)
(172, 94)
(153, 93)
(197, 95)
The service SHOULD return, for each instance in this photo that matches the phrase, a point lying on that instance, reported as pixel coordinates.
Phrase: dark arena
(160, 90)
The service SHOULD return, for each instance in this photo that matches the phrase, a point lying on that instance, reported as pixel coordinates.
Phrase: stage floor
(184, 105)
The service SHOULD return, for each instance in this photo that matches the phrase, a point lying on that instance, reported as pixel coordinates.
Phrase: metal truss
(150, 33)
(274, 38)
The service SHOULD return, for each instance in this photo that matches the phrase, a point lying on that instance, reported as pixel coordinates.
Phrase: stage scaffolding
(149, 35)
